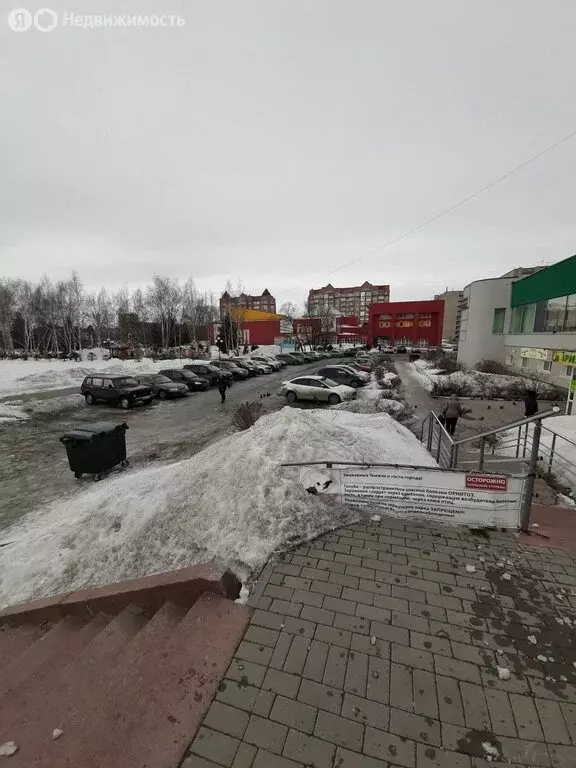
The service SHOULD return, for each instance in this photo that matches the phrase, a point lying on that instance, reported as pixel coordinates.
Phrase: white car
(316, 388)
(389, 349)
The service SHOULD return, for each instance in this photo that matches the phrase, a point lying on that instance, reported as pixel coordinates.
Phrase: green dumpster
(93, 449)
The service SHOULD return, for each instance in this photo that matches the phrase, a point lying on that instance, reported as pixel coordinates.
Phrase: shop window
(555, 314)
(570, 323)
(498, 320)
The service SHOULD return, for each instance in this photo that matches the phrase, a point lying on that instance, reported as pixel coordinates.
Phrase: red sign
(487, 483)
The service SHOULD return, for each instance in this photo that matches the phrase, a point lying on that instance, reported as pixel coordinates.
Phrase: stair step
(30, 701)
(158, 730)
(49, 648)
(15, 640)
(146, 712)
(84, 704)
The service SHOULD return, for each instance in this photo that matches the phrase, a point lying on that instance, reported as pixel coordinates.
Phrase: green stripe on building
(556, 280)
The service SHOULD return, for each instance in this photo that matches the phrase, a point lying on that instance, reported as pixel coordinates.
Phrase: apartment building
(407, 323)
(265, 302)
(451, 301)
(352, 301)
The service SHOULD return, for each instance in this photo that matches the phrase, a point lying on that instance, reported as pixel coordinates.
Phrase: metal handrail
(560, 436)
(546, 414)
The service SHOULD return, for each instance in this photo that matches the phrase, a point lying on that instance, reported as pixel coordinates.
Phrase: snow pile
(477, 384)
(376, 404)
(267, 350)
(231, 501)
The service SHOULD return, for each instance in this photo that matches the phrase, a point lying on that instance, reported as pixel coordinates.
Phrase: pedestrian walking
(222, 387)
(530, 403)
(452, 412)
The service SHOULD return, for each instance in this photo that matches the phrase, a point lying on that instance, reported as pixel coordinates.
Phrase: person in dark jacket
(530, 403)
(222, 387)
(452, 412)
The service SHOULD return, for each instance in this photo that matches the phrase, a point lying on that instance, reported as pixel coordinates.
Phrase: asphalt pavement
(34, 464)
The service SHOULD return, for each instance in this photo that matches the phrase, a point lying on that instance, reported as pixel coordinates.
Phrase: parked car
(206, 370)
(262, 367)
(304, 356)
(162, 386)
(388, 349)
(289, 359)
(363, 375)
(271, 361)
(401, 350)
(316, 388)
(183, 376)
(358, 366)
(341, 376)
(252, 369)
(124, 391)
(228, 365)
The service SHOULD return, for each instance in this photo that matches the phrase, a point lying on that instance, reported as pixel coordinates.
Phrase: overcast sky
(277, 141)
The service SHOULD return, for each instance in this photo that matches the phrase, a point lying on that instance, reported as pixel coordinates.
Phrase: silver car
(316, 388)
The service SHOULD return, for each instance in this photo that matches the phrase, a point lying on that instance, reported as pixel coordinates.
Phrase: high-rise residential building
(451, 301)
(263, 303)
(353, 301)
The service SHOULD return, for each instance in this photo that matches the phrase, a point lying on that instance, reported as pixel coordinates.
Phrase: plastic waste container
(93, 449)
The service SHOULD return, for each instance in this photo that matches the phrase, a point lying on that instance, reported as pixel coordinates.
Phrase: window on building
(525, 362)
(498, 320)
(570, 323)
(555, 314)
(568, 371)
(547, 366)
(424, 315)
(405, 315)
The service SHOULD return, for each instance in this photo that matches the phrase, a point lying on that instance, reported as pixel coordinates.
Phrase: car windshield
(330, 383)
(189, 375)
(127, 381)
(159, 379)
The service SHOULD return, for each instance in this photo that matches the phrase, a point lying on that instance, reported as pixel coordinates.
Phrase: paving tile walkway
(379, 645)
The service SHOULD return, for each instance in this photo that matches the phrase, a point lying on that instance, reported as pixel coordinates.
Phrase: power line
(448, 210)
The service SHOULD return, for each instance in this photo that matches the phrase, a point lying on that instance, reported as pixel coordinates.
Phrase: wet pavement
(394, 644)
(34, 467)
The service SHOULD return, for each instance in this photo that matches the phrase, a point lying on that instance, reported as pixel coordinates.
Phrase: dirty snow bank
(18, 410)
(18, 377)
(478, 384)
(231, 501)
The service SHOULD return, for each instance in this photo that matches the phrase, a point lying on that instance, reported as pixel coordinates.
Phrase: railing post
(518, 442)
(430, 432)
(455, 466)
(452, 453)
(525, 440)
(482, 449)
(530, 479)
(551, 459)
(439, 445)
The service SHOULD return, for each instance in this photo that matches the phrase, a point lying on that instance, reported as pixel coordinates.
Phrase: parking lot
(35, 468)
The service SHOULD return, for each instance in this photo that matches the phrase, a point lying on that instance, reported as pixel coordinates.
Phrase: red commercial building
(411, 323)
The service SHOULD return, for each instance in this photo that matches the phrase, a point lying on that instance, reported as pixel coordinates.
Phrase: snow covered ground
(19, 410)
(231, 501)
(19, 377)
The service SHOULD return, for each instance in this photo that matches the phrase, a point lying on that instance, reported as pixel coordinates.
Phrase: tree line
(61, 317)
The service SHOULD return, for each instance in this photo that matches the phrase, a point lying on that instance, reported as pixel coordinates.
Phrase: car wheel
(162, 394)
(125, 403)
(89, 399)
(353, 384)
(291, 397)
(334, 399)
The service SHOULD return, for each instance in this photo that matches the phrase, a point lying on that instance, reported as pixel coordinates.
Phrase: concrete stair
(125, 689)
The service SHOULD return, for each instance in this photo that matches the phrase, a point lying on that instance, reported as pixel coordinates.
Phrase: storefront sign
(567, 358)
(534, 353)
(474, 499)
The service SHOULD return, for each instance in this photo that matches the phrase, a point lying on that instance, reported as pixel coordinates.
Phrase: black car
(162, 386)
(228, 365)
(289, 359)
(206, 371)
(247, 366)
(179, 375)
(341, 376)
(401, 350)
(124, 391)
